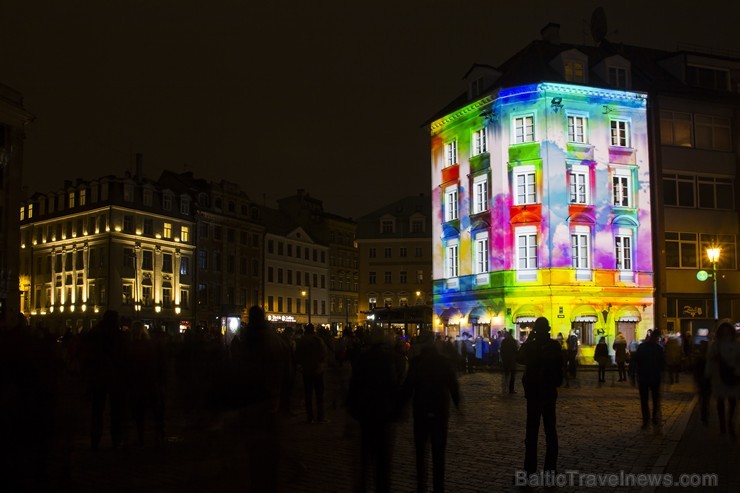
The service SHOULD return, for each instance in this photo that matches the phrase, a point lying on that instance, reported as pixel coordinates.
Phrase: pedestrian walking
(649, 363)
(311, 355)
(509, 349)
(543, 375)
(620, 355)
(432, 384)
(601, 356)
(673, 355)
(722, 367)
(572, 344)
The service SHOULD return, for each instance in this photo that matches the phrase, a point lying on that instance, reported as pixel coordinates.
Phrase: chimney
(551, 33)
(139, 162)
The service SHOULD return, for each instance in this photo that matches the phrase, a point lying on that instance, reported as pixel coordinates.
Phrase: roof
(401, 210)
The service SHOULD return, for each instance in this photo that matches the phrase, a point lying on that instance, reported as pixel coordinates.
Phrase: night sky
(326, 96)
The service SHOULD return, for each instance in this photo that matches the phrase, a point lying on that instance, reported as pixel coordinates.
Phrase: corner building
(541, 203)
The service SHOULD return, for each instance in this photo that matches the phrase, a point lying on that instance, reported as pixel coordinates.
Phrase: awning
(629, 319)
(585, 318)
(525, 319)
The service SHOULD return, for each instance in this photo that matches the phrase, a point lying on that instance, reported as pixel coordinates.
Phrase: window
(167, 295)
(419, 277)
(217, 260)
(481, 253)
(167, 230)
(147, 197)
(387, 252)
(280, 247)
(417, 226)
(678, 190)
(128, 192)
(675, 129)
(476, 87)
(579, 184)
(451, 259)
(480, 194)
(403, 277)
(386, 226)
(372, 252)
(451, 153)
(713, 132)
(577, 129)
(147, 260)
(71, 199)
(184, 205)
(524, 182)
(708, 77)
(623, 250)
(184, 265)
(128, 224)
(280, 275)
(480, 145)
(167, 201)
(580, 247)
(574, 71)
(451, 203)
(184, 297)
(23, 213)
(387, 278)
(526, 253)
(418, 252)
(184, 234)
(715, 193)
(622, 188)
(620, 133)
(618, 77)
(523, 129)
(127, 289)
(167, 262)
(372, 278)
(403, 252)
(681, 250)
(148, 226)
(83, 196)
(203, 259)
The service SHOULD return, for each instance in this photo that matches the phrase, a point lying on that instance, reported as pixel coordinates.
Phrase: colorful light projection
(567, 227)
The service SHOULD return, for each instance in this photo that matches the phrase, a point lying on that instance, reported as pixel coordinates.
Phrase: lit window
(451, 209)
(676, 129)
(82, 197)
(480, 145)
(451, 259)
(574, 71)
(525, 185)
(577, 129)
(480, 194)
(23, 213)
(71, 199)
(481, 253)
(451, 153)
(579, 184)
(523, 129)
(30, 211)
(184, 234)
(167, 230)
(620, 133)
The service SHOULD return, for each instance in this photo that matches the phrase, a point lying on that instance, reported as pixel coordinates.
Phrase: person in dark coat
(572, 345)
(620, 355)
(107, 374)
(509, 348)
(432, 384)
(543, 375)
(601, 356)
(374, 400)
(311, 355)
(649, 364)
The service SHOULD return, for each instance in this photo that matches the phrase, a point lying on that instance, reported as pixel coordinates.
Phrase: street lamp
(307, 293)
(713, 255)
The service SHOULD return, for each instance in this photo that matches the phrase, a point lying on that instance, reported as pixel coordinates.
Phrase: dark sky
(324, 96)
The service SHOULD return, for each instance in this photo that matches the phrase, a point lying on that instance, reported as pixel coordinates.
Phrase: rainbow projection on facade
(541, 196)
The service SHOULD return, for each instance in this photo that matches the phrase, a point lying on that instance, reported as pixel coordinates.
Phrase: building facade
(13, 120)
(124, 244)
(395, 252)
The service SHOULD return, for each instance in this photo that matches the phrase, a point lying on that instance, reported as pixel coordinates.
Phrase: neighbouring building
(13, 121)
(541, 197)
(115, 243)
(338, 234)
(395, 252)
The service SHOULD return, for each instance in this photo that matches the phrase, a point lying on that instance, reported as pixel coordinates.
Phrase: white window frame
(580, 244)
(184, 205)
(622, 188)
(578, 129)
(522, 128)
(480, 141)
(527, 253)
(451, 153)
(452, 258)
(480, 194)
(528, 176)
(624, 254)
(452, 210)
(579, 176)
(481, 253)
(620, 132)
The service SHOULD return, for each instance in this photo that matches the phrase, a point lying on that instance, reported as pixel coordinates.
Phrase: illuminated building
(124, 244)
(13, 119)
(296, 274)
(395, 251)
(338, 234)
(541, 195)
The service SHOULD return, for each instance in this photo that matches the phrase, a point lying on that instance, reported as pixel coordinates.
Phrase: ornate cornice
(461, 113)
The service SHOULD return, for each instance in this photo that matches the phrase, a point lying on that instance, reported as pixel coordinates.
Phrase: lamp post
(713, 255)
(307, 292)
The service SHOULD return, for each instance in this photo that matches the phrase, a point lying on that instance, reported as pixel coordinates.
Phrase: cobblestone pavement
(598, 427)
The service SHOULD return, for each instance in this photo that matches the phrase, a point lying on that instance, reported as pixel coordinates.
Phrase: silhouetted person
(374, 400)
(649, 363)
(620, 356)
(264, 360)
(542, 377)
(146, 381)
(601, 356)
(311, 354)
(509, 349)
(723, 360)
(673, 355)
(106, 367)
(432, 384)
(572, 345)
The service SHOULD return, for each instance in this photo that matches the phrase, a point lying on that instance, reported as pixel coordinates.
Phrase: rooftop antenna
(598, 25)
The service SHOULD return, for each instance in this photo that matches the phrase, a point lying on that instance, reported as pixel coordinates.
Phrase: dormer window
(708, 77)
(476, 87)
(618, 77)
(574, 71)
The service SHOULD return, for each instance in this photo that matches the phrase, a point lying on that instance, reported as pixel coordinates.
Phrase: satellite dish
(598, 25)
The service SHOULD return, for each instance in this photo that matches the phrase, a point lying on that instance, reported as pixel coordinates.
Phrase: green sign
(702, 275)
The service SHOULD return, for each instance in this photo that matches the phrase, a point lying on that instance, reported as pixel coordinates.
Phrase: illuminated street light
(713, 255)
(307, 293)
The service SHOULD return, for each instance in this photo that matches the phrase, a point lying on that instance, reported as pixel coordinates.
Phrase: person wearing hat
(543, 375)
